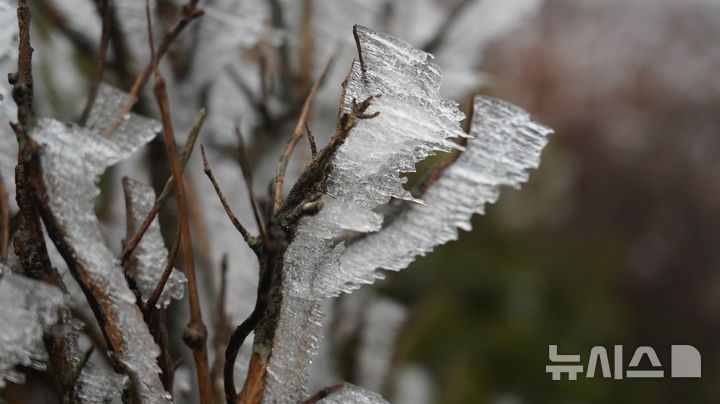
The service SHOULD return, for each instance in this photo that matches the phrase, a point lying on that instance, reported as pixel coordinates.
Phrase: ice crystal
(27, 308)
(350, 394)
(71, 159)
(505, 145)
(151, 253)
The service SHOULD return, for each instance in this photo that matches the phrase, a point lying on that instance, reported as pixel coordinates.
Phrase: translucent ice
(71, 158)
(505, 145)
(350, 394)
(27, 308)
(151, 253)
(414, 122)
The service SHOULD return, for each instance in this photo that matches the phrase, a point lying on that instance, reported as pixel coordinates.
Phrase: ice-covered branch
(68, 160)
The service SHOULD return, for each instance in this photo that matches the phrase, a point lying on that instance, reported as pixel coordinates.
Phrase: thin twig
(324, 393)
(292, 142)
(100, 67)
(195, 335)
(167, 190)
(247, 176)
(363, 68)
(249, 238)
(311, 140)
(22, 81)
(155, 296)
(190, 13)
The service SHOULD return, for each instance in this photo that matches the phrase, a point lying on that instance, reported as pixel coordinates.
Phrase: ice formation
(414, 122)
(383, 319)
(71, 158)
(151, 254)
(505, 145)
(350, 394)
(27, 308)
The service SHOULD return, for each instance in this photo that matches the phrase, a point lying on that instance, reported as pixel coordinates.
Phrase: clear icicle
(351, 394)
(151, 254)
(383, 320)
(414, 122)
(71, 159)
(505, 145)
(27, 308)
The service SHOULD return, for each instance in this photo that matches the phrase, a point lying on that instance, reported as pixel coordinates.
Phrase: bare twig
(247, 176)
(311, 140)
(250, 239)
(22, 81)
(292, 142)
(324, 393)
(149, 305)
(363, 68)
(100, 68)
(190, 13)
(166, 192)
(195, 335)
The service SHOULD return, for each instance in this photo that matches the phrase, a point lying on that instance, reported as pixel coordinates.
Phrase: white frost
(27, 308)
(151, 254)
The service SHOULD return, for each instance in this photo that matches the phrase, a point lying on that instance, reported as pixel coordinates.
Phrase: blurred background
(615, 238)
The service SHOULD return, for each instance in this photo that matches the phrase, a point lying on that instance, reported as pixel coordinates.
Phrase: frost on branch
(150, 254)
(350, 394)
(27, 308)
(505, 144)
(70, 159)
(414, 122)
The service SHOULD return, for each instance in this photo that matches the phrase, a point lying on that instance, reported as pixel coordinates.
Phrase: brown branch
(190, 13)
(100, 68)
(149, 305)
(324, 393)
(22, 81)
(292, 142)
(250, 239)
(133, 241)
(195, 335)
